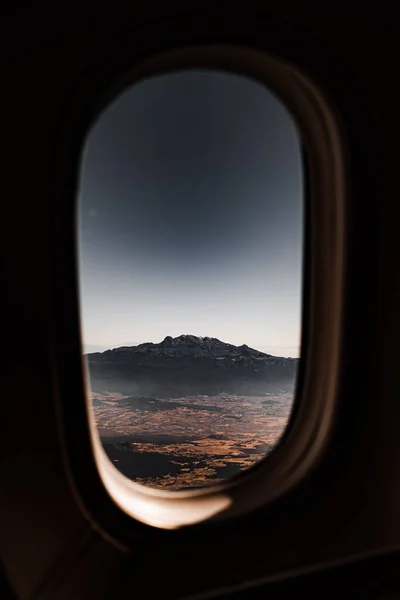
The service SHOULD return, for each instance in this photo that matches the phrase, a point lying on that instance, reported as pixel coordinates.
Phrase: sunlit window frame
(310, 425)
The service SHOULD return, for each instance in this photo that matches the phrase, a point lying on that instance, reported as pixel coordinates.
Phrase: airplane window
(190, 220)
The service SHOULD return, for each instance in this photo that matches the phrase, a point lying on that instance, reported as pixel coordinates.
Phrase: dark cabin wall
(48, 547)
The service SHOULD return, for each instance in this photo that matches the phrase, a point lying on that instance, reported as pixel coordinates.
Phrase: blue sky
(190, 216)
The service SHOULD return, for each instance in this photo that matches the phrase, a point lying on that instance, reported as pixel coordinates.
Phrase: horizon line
(132, 344)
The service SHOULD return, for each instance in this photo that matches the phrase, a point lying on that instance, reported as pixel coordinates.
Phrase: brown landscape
(191, 441)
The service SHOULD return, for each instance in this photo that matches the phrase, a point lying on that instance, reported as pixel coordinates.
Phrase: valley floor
(191, 441)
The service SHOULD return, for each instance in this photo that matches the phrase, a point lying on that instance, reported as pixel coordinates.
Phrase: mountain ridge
(188, 364)
(170, 341)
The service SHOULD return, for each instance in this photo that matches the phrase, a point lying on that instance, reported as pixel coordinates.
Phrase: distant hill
(93, 348)
(188, 364)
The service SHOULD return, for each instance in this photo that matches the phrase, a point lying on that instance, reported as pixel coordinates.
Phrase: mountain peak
(191, 346)
(187, 338)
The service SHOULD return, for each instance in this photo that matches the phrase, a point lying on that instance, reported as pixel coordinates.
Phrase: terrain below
(191, 441)
(189, 411)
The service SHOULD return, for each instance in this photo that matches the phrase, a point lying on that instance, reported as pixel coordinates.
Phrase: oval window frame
(322, 306)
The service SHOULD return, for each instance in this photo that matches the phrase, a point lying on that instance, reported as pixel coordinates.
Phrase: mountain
(188, 364)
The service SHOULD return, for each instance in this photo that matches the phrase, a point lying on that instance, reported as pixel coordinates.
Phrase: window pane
(190, 249)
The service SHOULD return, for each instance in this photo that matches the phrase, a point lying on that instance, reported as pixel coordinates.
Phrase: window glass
(190, 217)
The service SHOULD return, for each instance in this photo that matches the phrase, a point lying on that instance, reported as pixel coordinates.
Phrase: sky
(190, 216)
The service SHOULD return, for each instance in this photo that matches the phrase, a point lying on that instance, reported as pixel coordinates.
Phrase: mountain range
(189, 364)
